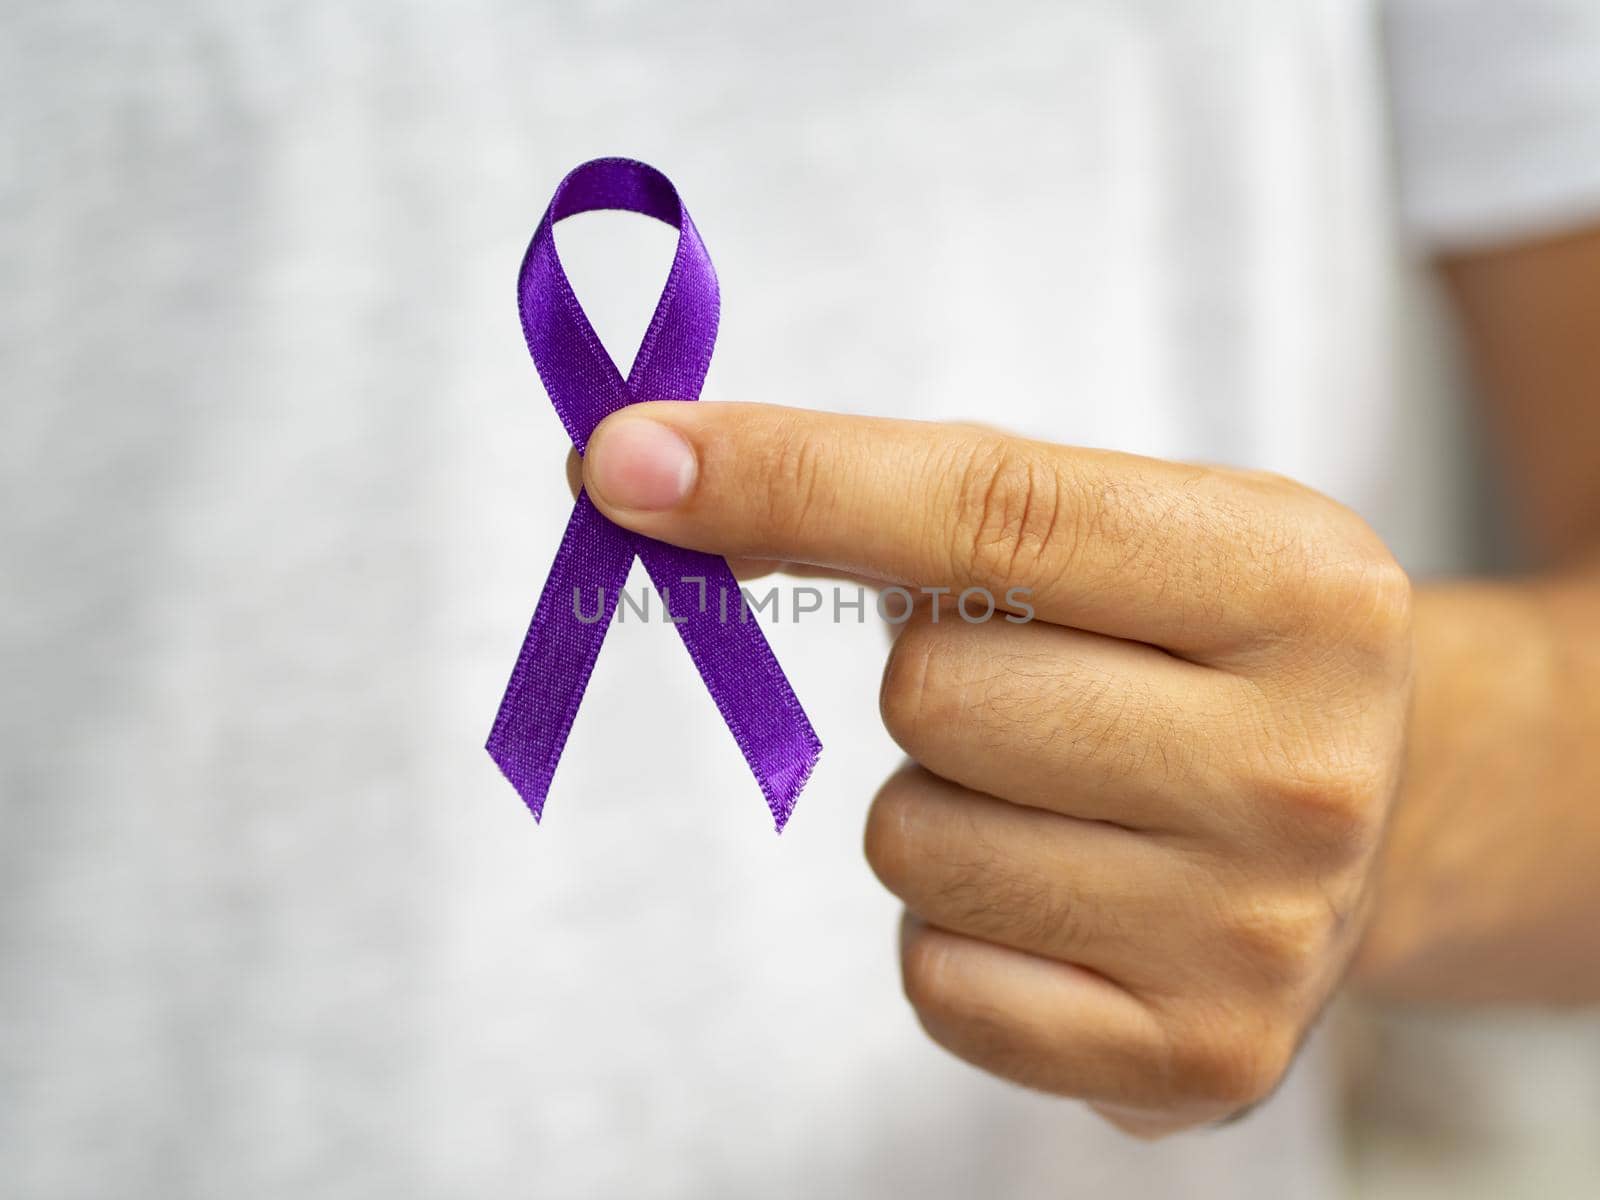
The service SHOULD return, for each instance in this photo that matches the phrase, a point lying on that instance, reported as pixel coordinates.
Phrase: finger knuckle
(925, 973)
(1332, 805)
(966, 1025)
(1285, 940)
(909, 700)
(886, 844)
(1379, 607)
(1233, 1067)
(1360, 602)
(1010, 516)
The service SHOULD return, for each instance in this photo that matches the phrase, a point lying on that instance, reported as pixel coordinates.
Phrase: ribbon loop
(595, 556)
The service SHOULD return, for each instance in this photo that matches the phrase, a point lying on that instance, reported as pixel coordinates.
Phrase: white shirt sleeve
(1497, 117)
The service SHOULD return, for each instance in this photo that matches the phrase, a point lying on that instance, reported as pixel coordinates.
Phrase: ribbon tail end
(528, 785)
(783, 789)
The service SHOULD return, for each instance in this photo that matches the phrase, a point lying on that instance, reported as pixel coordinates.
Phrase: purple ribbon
(591, 567)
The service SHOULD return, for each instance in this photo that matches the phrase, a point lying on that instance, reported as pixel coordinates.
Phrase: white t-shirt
(285, 485)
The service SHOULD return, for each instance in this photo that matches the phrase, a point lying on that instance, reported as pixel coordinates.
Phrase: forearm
(1490, 890)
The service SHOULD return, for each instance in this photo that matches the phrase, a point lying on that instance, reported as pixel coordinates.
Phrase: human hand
(1137, 838)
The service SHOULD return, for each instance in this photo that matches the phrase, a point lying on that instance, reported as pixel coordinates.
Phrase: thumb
(742, 568)
(875, 498)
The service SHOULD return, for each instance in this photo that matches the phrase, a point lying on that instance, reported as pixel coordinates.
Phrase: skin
(1490, 893)
(1142, 840)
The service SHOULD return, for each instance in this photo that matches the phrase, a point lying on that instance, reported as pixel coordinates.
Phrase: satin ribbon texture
(591, 567)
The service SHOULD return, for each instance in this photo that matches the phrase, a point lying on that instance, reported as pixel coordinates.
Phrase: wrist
(1454, 868)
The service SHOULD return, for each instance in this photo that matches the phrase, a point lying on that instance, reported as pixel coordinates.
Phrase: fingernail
(641, 464)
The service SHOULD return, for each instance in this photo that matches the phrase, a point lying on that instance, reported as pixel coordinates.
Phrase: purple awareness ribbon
(591, 567)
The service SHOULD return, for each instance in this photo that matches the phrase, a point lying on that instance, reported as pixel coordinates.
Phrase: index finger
(1180, 556)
